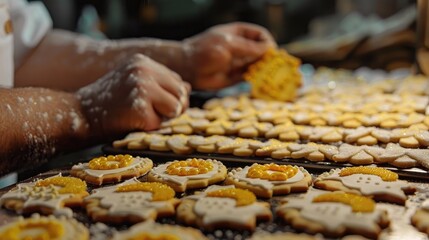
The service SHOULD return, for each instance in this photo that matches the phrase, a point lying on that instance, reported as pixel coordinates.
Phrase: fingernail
(179, 109)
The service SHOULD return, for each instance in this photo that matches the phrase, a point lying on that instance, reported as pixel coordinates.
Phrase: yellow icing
(33, 230)
(385, 174)
(67, 184)
(243, 197)
(279, 172)
(150, 236)
(275, 77)
(110, 162)
(160, 191)
(189, 167)
(357, 202)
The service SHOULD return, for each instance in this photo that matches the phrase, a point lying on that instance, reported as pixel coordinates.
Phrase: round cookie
(376, 182)
(223, 207)
(152, 230)
(130, 202)
(47, 196)
(334, 214)
(112, 169)
(189, 174)
(38, 227)
(270, 179)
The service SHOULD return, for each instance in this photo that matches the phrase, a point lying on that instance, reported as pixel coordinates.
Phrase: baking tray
(400, 227)
(231, 160)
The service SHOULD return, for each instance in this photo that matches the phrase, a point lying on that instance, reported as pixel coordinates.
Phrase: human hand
(135, 96)
(218, 57)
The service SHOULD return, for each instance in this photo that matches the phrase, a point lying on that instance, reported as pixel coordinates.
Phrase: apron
(6, 48)
(30, 23)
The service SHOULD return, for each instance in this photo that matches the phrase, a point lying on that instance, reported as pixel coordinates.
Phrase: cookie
(376, 182)
(270, 179)
(38, 227)
(111, 169)
(333, 214)
(52, 195)
(135, 136)
(152, 230)
(223, 207)
(282, 236)
(420, 218)
(189, 174)
(130, 202)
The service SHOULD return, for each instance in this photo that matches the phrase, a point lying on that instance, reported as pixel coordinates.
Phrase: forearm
(37, 123)
(78, 60)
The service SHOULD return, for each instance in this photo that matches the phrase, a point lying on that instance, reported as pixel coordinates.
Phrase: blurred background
(335, 33)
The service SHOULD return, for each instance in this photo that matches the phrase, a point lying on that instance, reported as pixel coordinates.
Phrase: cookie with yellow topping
(333, 214)
(38, 227)
(53, 195)
(130, 202)
(112, 168)
(152, 230)
(266, 180)
(223, 207)
(187, 174)
(376, 182)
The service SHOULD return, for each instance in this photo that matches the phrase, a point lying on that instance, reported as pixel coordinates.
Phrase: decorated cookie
(270, 179)
(420, 218)
(131, 201)
(189, 174)
(334, 214)
(111, 169)
(282, 236)
(47, 196)
(376, 182)
(152, 230)
(38, 227)
(223, 207)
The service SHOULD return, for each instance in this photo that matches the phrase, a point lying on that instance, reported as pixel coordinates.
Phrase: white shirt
(30, 23)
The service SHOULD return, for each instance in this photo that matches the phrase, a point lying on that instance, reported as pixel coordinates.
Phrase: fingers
(255, 32)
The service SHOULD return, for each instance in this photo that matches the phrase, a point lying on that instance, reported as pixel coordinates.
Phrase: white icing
(160, 171)
(39, 197)
(370, 184)
(241, 175)
(137, 163)
(128, 203)
(425, 204)
(156, 229)
(332, 215)
(218, 209)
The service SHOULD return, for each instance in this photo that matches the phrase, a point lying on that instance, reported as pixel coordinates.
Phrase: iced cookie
(152, 230)
(420, 219)
(376, 182)
(38, 227)
(111, 169)
(282, 236)
(334, 214)
(270, 179)
(189, 174)
(131, 201)
(223, 207)
(52, 195)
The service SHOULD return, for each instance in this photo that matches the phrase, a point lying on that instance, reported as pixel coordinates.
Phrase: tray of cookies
(131, 197)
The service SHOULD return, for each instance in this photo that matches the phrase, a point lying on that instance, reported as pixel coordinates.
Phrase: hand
(134, 97)
(218, 57)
